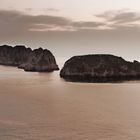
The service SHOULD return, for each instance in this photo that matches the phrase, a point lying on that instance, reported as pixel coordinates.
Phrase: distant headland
(100, 68)
(38, 60)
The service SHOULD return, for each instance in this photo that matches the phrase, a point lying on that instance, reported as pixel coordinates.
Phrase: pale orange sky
(74, 9)
(73, 27)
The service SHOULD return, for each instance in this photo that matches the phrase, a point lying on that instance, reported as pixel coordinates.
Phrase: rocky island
(100, 68)
(38, 60)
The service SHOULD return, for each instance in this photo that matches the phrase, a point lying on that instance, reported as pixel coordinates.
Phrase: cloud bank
(115, 32)
(15, 22)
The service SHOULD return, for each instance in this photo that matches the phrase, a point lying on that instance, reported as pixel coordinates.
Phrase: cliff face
(100, 68)
(28, 59)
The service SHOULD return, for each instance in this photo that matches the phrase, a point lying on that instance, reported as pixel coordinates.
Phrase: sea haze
(42, 106)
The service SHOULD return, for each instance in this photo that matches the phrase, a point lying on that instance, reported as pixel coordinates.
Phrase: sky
(73, 27)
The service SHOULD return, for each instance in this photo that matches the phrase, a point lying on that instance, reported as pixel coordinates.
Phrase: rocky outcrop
(100, 68)
(40, 60)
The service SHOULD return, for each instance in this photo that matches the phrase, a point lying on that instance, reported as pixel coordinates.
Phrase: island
(37, 60)
(100, 68)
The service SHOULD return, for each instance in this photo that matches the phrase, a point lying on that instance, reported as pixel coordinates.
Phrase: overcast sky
(73, 27)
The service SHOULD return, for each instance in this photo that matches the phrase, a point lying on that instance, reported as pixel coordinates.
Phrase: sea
(42, 106)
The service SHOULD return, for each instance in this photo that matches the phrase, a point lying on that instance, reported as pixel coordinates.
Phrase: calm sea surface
(41, 106)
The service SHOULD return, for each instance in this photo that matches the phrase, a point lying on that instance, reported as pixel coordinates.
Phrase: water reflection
(43, 106)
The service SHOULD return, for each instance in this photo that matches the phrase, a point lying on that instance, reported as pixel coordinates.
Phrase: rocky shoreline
(100, 68)
(37, 60)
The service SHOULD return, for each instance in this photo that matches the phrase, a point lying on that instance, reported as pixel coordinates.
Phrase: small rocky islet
(37, 60)
(87, 68)
(100, 68)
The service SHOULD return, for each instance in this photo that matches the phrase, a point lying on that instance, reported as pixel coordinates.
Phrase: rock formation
(100, 68)
(40, 60)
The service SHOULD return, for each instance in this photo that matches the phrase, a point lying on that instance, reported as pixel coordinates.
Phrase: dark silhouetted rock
(40, 60)
(100, 68)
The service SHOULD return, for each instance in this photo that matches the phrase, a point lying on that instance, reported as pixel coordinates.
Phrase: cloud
(121, 18)
(15, 23)
(87, 25)
(50, 27)
(125, 17)
(52, 10)
(28, 9)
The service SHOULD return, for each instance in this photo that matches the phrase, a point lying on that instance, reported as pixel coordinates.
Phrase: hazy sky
(75, 9)
(70, 27)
